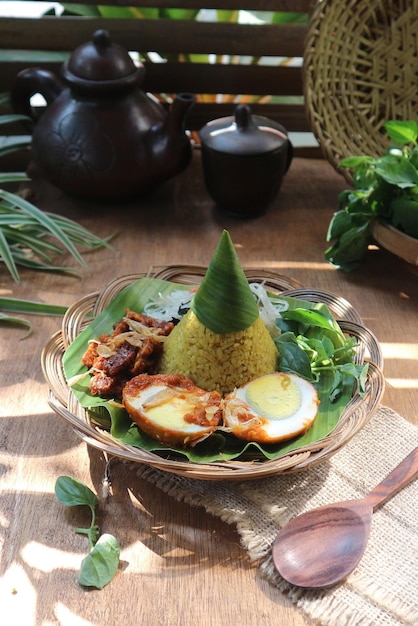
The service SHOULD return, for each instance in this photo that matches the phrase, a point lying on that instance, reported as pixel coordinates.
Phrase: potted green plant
(383, 203)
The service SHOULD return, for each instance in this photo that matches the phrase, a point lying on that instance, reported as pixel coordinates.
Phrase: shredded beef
(111, 373)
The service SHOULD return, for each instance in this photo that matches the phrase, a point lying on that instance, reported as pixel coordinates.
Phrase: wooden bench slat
(294, 6)
(195, 78)
(213, 79)
(66, 33)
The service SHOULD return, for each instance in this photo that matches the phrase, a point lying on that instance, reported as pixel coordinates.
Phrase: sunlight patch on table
(297, 265)
(399, 350)
(68, 618)
(18, 597)
(403, 383)
(46, 559)
(20, 404)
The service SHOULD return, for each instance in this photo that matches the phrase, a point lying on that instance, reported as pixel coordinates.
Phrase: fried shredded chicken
(134, 347)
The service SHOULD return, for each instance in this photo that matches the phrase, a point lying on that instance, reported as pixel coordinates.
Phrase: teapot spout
(173, 149)
(178, 110)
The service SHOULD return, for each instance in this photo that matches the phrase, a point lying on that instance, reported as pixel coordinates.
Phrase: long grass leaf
(7, 257)
(10, 319)
(33, 264)
(81, 234)
(13, 177)
(18, 305)
(46, 221)
(36, 244)
(14, 117)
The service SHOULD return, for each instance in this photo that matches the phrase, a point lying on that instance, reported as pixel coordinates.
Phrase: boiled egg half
(272, 408)
(171, 408)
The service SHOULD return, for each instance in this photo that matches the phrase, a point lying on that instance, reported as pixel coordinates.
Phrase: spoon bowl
(323, 546)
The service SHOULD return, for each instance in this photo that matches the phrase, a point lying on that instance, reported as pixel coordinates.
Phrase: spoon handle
(401, 476)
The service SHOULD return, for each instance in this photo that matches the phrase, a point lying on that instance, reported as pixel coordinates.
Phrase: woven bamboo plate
(360, 70)
(356, 415)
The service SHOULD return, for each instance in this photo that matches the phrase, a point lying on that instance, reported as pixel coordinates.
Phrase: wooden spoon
(321, 547)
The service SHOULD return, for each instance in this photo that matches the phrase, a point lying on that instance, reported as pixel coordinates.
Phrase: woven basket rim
(360, 71)
(399, 243)
(356, 415)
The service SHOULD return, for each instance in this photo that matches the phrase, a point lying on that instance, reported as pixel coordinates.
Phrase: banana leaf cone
(222, 342)
(224, 302)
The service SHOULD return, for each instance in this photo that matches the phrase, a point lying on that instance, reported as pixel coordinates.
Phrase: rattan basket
(355, 416)
(360, 70)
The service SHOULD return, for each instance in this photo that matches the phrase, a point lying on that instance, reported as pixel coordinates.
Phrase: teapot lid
(243, 133)
(101, 64)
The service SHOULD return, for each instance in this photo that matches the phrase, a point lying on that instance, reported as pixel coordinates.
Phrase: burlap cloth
(383, 589)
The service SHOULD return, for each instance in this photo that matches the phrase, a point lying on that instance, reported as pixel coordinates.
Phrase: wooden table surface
(179, 565)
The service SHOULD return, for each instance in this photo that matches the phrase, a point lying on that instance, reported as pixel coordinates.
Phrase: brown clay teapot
(100, 136)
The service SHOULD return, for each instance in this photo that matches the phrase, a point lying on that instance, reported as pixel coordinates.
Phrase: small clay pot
(244, 159)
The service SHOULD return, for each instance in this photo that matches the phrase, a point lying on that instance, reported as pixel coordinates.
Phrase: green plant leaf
(12, 177)
(25, 233)
(340, 222)
(73, 492)
(397, 170)
(405, 215)
(10, 319)
(7, 257)
(46, 221)
(18, 305)
(293, 359)
(308, 317)
(101, 564)
(280, 17)
(355, 161)
(351, 247)
(402, 131)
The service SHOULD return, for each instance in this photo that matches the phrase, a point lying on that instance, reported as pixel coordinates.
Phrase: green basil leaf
(405, 215)
(322, 347)
(72, 492)
(351, 247)
(355, 161)
(397, 170)
(308, 317)
(402, 131)
(101, 564)
(293, 360)
(340, 222)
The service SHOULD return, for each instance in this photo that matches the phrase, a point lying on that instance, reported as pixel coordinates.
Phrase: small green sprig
(101, 564)
(385, 189)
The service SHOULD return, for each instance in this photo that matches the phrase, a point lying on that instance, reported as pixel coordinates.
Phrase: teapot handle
(289, 155)
(29, 82)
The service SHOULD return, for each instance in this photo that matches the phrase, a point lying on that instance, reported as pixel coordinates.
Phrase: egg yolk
(275, 397)
(173, 416)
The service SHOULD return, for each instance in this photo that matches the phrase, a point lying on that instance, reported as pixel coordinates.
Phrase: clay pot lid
(101, 63)
(244, 133)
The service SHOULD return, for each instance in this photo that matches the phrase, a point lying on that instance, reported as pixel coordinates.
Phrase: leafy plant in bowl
(385, 190)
